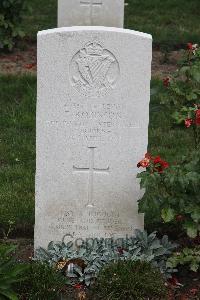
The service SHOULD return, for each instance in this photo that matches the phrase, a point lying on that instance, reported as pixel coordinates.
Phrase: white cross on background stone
(91, 4)
(91, 171)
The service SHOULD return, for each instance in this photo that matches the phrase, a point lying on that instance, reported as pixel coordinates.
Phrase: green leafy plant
(172, 191)
(130, 280)
(83, 263)
(10, 273)
(42, 282)
(188, 256)
(182, 93)
(10, 18)
(10, 228)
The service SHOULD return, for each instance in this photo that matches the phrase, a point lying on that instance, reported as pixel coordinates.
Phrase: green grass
(17, 150)
(17, 146)
(170, 22)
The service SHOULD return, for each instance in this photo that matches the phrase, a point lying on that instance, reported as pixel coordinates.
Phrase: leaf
(184, 69)
(194, 267)
(191, 229)
(191, 96)
(196, 215)
(167, 214)
(78, 270)
(21, 33)
(154, 91)
(88, 279)
(9, 295)
(155, 245)
(195, 72)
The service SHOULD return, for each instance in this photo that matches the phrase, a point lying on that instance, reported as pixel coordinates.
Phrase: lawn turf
(17, 151)
(171, 22)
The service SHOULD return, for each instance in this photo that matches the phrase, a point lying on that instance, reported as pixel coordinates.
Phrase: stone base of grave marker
(92, 129)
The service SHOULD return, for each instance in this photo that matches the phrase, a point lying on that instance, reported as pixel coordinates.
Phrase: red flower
(188, 122)
(157, 160)
(193, 291)
(159, 164)
(179, 218)
(197, 120)
(30, 66)
(148, 155)
(166, 81)
(189, 46)
(192, 47)
(78, 286)
(145, 162)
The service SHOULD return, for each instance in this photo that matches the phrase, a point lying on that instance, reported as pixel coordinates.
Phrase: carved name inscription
(94, 122)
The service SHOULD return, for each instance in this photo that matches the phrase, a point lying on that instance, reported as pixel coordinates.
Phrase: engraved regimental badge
(94, 70)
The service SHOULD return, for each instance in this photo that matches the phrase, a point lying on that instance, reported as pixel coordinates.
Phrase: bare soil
(25, 61)
(19, 61)
(24, 248)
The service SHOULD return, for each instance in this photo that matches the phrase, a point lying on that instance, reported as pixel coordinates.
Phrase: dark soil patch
(24, 61)
(24, 248)
(19, 61)
(163, 65)
(187, 287)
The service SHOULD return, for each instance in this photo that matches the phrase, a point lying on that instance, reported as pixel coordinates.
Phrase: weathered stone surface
(91, 13)
(92, 129)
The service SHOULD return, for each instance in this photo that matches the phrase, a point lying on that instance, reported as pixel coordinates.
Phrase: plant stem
(195, 137)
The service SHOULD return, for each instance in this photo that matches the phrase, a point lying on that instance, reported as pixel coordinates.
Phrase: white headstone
(92, 129)
(91, 13)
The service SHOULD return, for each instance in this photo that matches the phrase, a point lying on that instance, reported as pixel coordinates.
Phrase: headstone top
(91, 13)
(94, 28)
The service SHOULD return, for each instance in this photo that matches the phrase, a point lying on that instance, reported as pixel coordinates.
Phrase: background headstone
(91, 13)
(92, 129)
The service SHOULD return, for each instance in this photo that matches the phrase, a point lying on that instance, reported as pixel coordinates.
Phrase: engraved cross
(91, 170)
(91, 4)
